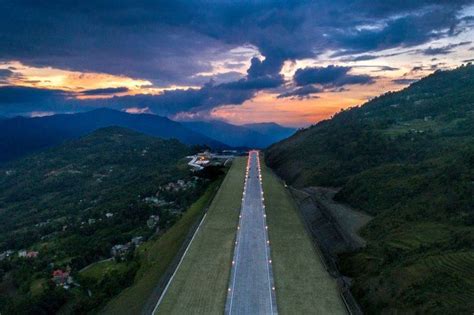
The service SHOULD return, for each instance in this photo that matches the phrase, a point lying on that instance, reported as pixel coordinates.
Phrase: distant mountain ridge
(258, 135)
(20, 135)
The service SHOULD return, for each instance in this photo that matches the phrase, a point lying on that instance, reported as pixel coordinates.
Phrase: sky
(291, 62)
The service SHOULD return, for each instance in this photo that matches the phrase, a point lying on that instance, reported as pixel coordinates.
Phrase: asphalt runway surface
(251, 289)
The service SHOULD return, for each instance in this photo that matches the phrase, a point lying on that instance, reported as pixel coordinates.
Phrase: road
(251, 289)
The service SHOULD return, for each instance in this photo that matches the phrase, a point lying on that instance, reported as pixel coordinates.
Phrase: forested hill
(432, 114)
(406, 157)
(103, 171)
(69, 205)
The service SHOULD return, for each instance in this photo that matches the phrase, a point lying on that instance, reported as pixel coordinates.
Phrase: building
(62, 278)
(137, 240)
(32, 254)
(152, 221)
(120, 250)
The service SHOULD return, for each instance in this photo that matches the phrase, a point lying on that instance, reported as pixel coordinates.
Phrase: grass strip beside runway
(155, 257)
(303, 285)
(200, 285)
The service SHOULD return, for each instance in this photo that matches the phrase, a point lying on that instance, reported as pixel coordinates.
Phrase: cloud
(387, 68)
(20, 94)
(443, 50)
(19, 100)
(423, 25)
(105, 91)
(218, 78)
(404, 81)
(171, 102)
(330, 76)
(4, 75)
(136, 110)
(170, 42)
(302, 92)
(361, 58)
(175, 42)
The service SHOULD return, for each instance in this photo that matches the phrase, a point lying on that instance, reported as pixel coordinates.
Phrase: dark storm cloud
(105, 91)
(14, 99)
(24, 100)
(302, 92)
(331, 76)
(19, 94)
(171, 42)
(422, 26)
(19, 100)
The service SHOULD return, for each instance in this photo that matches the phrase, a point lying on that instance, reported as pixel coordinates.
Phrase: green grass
(200, 285)
(155, 257)
(37, 286)
(303, 285)
(99, 269)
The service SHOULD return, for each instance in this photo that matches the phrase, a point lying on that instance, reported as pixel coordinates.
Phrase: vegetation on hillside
(68, 206)
(408, 158)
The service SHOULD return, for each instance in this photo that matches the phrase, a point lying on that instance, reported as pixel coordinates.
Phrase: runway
(251, 289)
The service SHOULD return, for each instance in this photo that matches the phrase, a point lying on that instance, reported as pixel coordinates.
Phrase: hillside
(249, 136)
(408, 158)
(70, 204)
(20, 135)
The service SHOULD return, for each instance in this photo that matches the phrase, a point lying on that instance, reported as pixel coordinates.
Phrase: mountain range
(20, 135)
(259, 135)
